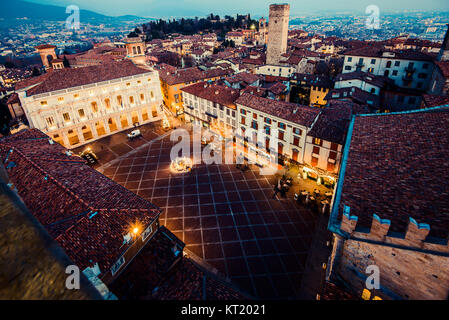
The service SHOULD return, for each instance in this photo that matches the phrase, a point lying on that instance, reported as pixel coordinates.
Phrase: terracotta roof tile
(69, 78)
(86, 212)
(397, 168)
(289, 111)
(220, 94)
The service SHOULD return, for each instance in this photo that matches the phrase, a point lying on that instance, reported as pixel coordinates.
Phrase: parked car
(90, 157)
(134, 134)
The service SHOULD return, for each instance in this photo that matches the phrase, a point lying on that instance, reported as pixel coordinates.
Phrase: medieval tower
(277, 32)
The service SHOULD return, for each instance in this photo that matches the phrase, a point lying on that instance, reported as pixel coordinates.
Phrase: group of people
(282, 186)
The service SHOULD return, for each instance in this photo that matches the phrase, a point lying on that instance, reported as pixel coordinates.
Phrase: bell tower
(135, 49)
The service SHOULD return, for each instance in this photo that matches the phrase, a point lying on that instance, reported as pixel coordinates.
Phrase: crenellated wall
(410, 266)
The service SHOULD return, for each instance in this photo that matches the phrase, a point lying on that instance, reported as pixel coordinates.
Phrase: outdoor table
(316, 191)
(324, 202)
(304, 193)
(328, 194)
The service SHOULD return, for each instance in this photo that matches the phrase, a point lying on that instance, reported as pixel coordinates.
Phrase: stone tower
(135, 50)
(277, 32)
(444, 51)
(48, 54)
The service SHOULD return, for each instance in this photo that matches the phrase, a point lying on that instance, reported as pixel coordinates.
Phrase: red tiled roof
(376, 51)
(215, 93)
(87, 213)
(156, 273)
(190, 74)
(245, 77)
(332, 123)
(276, 87)
(431, 100)
(444, 67)
(45, 46)
(258, 91)
(289, 111)
(397, 168)
(31, 81)
(69, 78)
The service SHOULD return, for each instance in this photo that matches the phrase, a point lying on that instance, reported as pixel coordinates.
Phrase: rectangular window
(317, 141)
(254, 125)
(373, 61)
(267, 130)
(281, 135)
(348, 68)
(333, 155)
(334, 146)
(117, 265)
(268, 120)
(349, 59)
(296, 141)
(50, 121)
(146, 233)
(81, 113)
(316, 150)
(397, 63)
(66, 117)
(242, 111)
(297, 131)
(281, 125)
(243, 120)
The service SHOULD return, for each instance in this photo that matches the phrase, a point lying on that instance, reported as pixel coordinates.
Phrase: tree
(66, 62)
(35, 72)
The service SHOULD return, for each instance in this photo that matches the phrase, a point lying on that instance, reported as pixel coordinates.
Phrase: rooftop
(397, 167)
(299, 114)
(219, 94)
(69, 78)
(379, 52)
(176, 76)
(87, 213)
(333, 122)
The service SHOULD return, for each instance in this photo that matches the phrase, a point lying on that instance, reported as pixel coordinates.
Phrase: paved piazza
(226, 217)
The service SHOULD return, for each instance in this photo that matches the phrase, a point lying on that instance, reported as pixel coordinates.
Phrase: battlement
(414, 237)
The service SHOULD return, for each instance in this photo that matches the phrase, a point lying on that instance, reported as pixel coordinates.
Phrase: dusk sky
(150, 8)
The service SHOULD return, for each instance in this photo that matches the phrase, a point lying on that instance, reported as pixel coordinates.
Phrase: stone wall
(404, 274)
(411, 266)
